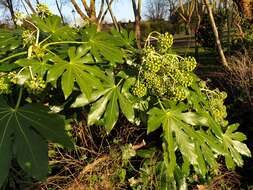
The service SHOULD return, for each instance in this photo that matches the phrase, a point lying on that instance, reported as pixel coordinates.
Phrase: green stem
(119, 82)
(63, 42)
(45, 40)
(38, 31)
(12, 56)
(147, 42)
(19, 97)
(160, 103)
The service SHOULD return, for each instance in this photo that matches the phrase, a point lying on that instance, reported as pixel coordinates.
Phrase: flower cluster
(165, 74)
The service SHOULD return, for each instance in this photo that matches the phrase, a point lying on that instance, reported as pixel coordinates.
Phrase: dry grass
(240, 74)
(95, 162)
(226, 180)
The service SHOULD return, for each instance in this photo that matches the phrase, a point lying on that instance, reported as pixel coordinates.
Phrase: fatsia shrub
(48, 68)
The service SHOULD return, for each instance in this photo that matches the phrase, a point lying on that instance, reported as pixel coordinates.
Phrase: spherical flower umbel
(35, 85)
(139, 89)
(19, 17)
(28, 37)
(165, 42)
(43, 11)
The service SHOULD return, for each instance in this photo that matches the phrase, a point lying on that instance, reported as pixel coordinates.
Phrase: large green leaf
(198, 147)
(53, 26)
(124, 37)
(86, 76)
(112, 112)
(107, 103)
(234, 147)
(38, 67)
(103, 44)
(9, 40)
(23, 133)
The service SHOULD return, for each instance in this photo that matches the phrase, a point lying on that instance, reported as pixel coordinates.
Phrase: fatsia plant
(23, 134)
(80, 69)
(50, 57)
(192, 116)
(107, 104)
(74, 70)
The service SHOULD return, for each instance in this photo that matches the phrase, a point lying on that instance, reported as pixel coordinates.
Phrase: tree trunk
(92, 12)
(78, 9)
(137, 17)
(216, 34)
(246, 6)
(9, 5)
(188, 29)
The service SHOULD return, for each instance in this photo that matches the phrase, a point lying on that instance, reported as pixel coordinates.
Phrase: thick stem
(19, 98)
(63, 42)
(160, 103)
(12, 56)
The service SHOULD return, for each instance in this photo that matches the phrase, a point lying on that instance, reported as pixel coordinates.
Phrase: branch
(113, 17)
(92, 11)
(79, 11)
(106, 11)
(87, 9)
(135, 8)
(29, 4)
(101, 10)
(216, 34)
(59, 9)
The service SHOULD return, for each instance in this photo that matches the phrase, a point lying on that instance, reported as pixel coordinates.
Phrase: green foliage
(103, 74)
(192, 116)
(23, 132)
(9, 40)
(107, 102)
(75, 71)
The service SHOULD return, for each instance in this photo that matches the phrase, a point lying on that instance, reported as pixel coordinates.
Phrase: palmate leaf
(124, 37)
(23, 134)
(234, 147)
(9, 40)
(38, 67)
(108, 108)
(107, 103)
(198, 147)
(86, 76)
(53, 26)
(103, 44)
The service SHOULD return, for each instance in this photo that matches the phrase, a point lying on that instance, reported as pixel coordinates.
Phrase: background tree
(59, 6)
(185, 11)
(157, 9)
(171, 4)
(90, 13)
(9, 4)
(29, 4)
(137, 4)
(246, 7)
(216, 34)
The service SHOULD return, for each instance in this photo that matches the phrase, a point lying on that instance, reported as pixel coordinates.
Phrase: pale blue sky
(122, 9)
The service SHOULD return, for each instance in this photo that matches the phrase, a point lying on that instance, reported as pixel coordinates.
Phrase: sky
(122, 9)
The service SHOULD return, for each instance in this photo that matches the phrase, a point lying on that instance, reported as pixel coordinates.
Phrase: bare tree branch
(29, 4)
(79, 11)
